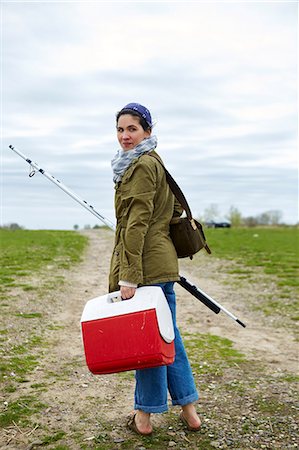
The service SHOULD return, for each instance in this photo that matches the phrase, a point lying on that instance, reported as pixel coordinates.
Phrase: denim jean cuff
(185, 400)
(152, 409)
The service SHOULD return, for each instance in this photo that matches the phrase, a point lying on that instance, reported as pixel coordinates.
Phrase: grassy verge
(25, 253)
(211, 354)
(264, 260)
(32, 262)
(275, 250)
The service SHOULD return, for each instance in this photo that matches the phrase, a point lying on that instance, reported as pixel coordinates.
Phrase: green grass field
(272, 253)
(267, 255)
(34, 263)
(25, 252)
(31, 261)
(275, 250)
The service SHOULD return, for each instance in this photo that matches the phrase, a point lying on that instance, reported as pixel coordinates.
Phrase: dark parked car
(220, 224)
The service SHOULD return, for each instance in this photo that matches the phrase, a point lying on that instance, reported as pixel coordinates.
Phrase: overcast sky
(220, 79)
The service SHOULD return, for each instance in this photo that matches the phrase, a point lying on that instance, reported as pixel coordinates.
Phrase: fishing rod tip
(11, 146)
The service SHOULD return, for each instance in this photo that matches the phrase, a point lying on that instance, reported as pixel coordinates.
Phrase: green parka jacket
(144, 205)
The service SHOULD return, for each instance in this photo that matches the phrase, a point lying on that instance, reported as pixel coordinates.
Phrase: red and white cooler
(129, 334)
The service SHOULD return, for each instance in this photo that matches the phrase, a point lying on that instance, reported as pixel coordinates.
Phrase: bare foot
(190, 418)
(143, 423)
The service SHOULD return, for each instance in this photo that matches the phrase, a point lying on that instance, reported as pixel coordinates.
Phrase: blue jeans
(152, 384)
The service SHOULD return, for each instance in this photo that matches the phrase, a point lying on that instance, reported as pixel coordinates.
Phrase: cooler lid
(146, 297)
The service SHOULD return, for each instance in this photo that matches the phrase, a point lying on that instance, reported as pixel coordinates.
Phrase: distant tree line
(235, 218)
(272, 217)
(89, 227)
(12, 226)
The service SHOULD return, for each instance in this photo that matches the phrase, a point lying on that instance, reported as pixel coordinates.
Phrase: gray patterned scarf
(123, 159)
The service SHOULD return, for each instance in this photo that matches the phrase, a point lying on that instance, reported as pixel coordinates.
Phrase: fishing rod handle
(199, 295)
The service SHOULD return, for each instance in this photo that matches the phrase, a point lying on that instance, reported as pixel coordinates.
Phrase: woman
(144, 255)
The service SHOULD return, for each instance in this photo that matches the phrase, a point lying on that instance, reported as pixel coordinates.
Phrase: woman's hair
(142, 121)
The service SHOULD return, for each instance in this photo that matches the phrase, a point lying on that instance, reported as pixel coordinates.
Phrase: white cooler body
(129, 334)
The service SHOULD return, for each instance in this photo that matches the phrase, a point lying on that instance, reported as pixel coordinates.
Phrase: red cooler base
(126, 342)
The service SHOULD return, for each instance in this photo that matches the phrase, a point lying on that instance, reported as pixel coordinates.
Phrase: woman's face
(129, 132)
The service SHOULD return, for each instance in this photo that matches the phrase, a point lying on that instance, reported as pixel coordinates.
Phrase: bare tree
(234, 216)
(275, 216)
(272, 217)
(250, 221)
(211, 212)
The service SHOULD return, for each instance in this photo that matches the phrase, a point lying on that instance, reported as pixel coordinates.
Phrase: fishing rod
(192, 289)
(35, 168)
(206, 299)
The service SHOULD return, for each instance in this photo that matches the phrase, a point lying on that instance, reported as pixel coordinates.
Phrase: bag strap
(176, 190)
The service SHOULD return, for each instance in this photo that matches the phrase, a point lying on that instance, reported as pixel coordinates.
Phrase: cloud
(219, 78)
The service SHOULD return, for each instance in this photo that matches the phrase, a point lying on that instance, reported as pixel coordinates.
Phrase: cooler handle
(114, 297)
